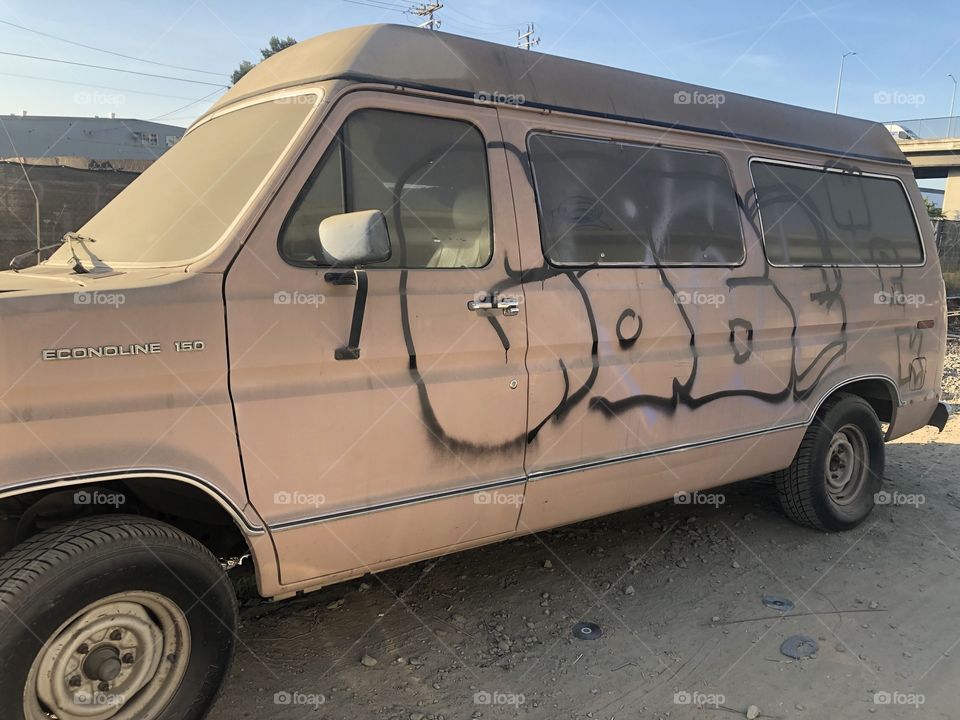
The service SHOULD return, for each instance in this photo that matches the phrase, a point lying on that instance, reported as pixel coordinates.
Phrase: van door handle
(509, 305)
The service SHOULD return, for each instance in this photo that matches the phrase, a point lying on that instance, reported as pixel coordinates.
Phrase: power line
(379, 5)
(109, 52)
(112, 69)
(190, 104)
(480, 23)
(78, 83)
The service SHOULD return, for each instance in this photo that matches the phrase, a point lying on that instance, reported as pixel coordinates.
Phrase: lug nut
(75, 681)
(83, 649)
(103, 687)
(128, 659)
(116, 635)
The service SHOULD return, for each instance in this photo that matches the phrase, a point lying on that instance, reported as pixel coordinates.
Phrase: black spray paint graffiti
(801, 384)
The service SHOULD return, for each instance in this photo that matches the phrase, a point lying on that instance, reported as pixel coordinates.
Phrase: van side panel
(623, 366)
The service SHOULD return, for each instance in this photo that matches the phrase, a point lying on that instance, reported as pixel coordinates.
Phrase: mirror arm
(359, 278)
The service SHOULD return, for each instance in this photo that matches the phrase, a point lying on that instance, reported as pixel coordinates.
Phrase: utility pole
(427, 11)
(836, 104)
(526, 40)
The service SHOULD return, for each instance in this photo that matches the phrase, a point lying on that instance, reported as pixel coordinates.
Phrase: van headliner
(430, 60)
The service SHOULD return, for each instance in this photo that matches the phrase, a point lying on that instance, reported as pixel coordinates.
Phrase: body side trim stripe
(400, 502)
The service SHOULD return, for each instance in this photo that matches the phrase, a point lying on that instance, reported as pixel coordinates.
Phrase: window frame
(647, 145)
(823, 168)
(336, 137)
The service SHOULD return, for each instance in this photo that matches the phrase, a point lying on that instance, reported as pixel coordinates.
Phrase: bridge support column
(951, 198)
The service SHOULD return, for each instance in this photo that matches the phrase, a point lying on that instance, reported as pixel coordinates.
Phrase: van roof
(430, 60)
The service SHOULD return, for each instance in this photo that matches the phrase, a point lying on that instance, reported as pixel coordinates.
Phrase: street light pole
(836, 104)
(953, 102)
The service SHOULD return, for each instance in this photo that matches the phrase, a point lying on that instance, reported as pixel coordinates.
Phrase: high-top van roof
(430, 60)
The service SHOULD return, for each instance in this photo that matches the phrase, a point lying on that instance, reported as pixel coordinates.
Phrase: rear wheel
(832, 482)
(113, 618)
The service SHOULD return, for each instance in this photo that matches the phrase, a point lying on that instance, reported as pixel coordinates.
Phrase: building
(74, 165)
(45, 136)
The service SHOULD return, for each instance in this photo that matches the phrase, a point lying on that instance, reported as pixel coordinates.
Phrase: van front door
(415, 443)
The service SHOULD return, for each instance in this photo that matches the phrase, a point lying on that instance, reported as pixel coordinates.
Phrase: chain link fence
(948, 244)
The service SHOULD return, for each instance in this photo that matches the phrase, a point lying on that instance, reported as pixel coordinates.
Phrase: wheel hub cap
(121, 658)
(848, 464)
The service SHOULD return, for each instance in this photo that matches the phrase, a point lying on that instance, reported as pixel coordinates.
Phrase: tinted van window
(605, 202)
(815, 217)
(427, 175)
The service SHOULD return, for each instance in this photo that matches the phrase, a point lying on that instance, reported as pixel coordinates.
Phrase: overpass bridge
(932, 145)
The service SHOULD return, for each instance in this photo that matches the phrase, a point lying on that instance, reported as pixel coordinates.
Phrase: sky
(785, 50)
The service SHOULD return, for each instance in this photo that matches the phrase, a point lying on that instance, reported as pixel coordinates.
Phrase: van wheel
(117, 617)
(838, 469)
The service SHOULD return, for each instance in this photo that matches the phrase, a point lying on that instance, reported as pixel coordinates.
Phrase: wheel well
(182, 505)
(880, 394)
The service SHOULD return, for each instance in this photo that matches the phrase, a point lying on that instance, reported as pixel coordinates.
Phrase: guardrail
(938, 128)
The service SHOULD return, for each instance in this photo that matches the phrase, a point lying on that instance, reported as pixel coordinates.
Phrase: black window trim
(632, 143)
(337, 137)
(824, 168)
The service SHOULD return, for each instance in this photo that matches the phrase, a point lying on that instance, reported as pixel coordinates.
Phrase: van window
(427, 175)
(604, 202)
(183, 204)
(811, 216)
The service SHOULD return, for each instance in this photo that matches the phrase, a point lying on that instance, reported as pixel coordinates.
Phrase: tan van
(400, 293)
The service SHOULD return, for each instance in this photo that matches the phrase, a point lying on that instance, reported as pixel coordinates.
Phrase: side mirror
(355, 239)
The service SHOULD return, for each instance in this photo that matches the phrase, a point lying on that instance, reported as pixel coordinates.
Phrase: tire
(115, 611)
(813, 491)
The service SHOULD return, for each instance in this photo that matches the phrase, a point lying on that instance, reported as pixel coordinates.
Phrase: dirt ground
(677, 592)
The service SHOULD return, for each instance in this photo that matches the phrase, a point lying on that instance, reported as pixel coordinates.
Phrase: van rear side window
(611, 203)
(812, 216)
(427, 175)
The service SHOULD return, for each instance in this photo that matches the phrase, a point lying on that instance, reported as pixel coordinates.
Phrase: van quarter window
(427, 175)
(811, 216)
(604, 202)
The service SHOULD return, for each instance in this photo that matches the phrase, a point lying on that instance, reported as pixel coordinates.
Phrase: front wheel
(113, 618)
(838, 470)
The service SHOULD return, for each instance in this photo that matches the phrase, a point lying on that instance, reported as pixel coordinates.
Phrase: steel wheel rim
(847, 465)
(120, 658)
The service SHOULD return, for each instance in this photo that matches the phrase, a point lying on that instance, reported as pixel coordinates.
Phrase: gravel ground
(951, 374)
(677, 592)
